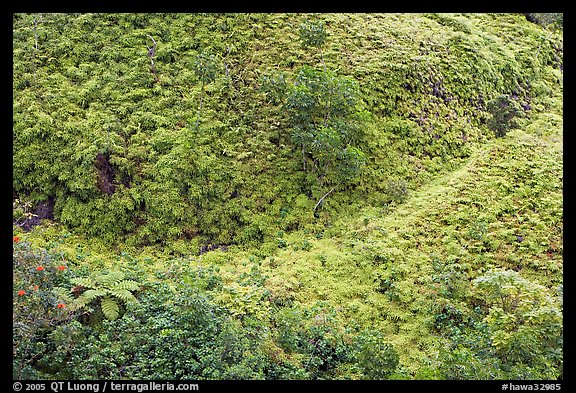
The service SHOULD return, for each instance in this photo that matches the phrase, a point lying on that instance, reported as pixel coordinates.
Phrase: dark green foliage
(205, 69)
(171, 333)
(518, 335)
(312, 34)
(325, 125)
(164, 336)
(397, 190)
(374, 356)
(274, 86)
(314, 334)
(546, 19)
(504, 110)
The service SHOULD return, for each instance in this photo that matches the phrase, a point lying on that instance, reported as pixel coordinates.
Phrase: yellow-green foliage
(440, 204)
(83, 89)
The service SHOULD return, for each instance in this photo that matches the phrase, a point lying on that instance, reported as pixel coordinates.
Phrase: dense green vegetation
(287, 196)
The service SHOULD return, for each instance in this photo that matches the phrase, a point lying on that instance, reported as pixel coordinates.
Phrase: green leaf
(128, 285)
(62, 294)
(88, 296)
(110, 308)
(125, 296)
(110, 279)
(87, 282)
(92, 294)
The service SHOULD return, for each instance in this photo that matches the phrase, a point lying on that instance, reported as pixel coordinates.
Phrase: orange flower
(35, 287)
(61, 305)
(40, 268)
(21, 292)
(61, 268)
(16, 239)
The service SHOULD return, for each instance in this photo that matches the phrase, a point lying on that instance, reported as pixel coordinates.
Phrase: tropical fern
(109, 288)
(63, 295)
(110, 307)
(86, 282)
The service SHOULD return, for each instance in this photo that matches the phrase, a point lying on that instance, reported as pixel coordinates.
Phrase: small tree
(313, 34)
(205, 69)
(323, 115)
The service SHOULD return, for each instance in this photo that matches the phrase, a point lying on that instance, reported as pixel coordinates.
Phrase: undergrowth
(180, 170)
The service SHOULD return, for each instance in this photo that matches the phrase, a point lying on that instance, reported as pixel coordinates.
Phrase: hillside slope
(126, 152)
(419, 235)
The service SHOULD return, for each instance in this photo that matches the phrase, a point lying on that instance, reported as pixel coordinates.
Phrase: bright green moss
(438, 203)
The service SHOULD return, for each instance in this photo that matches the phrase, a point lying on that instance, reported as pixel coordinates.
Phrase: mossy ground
(475, 202)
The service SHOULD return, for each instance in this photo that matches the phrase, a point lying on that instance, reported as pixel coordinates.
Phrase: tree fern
(125, 295)
(110, 288)
(126, 285)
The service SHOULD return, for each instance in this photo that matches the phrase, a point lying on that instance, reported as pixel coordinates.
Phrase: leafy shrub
(312, 34)
(314, 335)
(375, 357)
(205, 69)
(524, 318)
(36, 311)
(554, 19)
(168, 334)
(397, 190)
(274, 86)
(325, 124)
(516, 335)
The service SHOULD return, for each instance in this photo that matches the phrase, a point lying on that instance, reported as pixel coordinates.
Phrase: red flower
(61, 305)
(40, 268)
(61, 268)
(21, 292)
(16, 239)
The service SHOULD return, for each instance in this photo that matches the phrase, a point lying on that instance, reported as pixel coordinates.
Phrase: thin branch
(151, 51)
(325, 195)
(151, 54)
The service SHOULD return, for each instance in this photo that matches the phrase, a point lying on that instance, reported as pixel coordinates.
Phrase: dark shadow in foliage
(504, 110)
(545, 19)
(105, 174)
(43, 211)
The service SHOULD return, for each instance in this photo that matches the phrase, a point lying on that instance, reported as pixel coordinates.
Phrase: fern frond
(92, 294)
(87, 282)
(110, 279)
(88, 296)
(81, 302)
(110, 308)
(62, 294)
(124, 295)
(126, 285)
